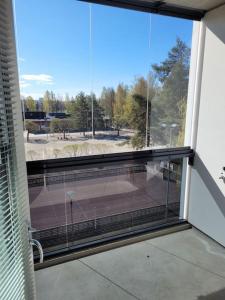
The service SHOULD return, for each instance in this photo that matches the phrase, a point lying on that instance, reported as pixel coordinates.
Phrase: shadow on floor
(219, 295)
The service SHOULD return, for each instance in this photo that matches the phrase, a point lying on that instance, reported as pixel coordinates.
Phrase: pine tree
(80, 112)
(138, 109)
(173, 75)
(180, 53)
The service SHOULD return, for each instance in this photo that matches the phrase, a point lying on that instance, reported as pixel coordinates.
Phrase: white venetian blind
(16, 270)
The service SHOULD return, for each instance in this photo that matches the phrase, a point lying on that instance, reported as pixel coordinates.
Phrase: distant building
(57, 115)
(42, 119)
(35, 115)
(38, 117)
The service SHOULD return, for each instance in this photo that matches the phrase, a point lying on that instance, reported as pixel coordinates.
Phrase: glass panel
(115, 80)
(81, 205)
(101, 80)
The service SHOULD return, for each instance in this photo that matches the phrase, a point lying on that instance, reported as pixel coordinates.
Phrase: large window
(101, 80)
(96, 79)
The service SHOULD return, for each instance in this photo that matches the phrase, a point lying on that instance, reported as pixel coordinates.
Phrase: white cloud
(38, 78)
(27, 80)
(24, 84)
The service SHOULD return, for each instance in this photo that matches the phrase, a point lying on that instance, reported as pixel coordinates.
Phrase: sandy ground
(47, 146)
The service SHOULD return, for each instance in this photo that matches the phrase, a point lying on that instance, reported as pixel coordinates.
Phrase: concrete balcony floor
(184, 265)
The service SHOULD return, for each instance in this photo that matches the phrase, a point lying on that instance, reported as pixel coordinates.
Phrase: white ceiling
(195, 4)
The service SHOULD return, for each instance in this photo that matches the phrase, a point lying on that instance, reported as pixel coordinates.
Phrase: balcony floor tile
(196, 248)
(185, 265)
(75, 281)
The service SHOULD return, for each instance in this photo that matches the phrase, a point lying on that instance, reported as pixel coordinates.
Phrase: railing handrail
(91, 161)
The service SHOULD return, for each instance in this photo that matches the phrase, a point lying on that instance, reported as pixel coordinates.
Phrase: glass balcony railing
(78, 201)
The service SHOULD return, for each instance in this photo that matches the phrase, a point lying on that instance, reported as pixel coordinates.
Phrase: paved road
(77, 201)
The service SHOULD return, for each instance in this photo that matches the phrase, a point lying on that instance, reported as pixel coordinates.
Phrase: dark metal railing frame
(98, 161)
(92, 161)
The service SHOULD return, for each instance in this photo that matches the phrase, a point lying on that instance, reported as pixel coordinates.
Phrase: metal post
(167, 191)
(171, 128)
(147, 135)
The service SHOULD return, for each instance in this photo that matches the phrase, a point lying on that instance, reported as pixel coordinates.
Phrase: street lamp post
(71, 195)
(171, 127)
(171, 131)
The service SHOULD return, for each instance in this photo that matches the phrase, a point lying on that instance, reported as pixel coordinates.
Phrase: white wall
(206, 195)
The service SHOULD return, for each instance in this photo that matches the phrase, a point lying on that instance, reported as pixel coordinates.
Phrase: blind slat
(16, 269)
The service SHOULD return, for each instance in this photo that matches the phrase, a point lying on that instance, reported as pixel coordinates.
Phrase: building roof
(35, 115)
(189, 9)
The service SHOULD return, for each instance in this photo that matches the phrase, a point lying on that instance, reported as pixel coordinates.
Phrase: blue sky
(53, 41)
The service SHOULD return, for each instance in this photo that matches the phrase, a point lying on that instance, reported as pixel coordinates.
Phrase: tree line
(153, 106)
